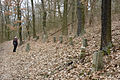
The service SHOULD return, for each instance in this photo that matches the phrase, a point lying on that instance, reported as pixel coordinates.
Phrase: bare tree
(19, 20)
(106, 39)
(2, 21)
(33, 19)
(44, 17)
(65, 27)
(81, 18)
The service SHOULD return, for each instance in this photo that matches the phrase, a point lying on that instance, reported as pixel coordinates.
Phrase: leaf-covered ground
(55, 61)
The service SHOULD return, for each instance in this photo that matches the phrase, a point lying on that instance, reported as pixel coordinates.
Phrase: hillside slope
(55, 61)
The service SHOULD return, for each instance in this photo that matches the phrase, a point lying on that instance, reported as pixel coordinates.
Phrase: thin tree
(33, 19)
(73, 15)
(19, 20)
(7, 18)
(92, 6)
(106, 39)
(28, 21)
(2, 22)
(59, 12)
(55, 13)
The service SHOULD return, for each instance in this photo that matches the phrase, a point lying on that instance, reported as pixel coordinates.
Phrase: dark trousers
(15, 47)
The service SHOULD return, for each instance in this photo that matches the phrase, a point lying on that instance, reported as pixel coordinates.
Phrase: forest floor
(55, 61)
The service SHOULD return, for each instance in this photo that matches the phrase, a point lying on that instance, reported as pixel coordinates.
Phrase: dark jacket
(15, 41)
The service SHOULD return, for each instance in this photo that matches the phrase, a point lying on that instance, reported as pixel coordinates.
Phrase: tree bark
(2, 22)
(65, 27)
(19, 23)
(81, 18)
(60, 14)
(28, 21)
(55, 13)
(73, 15)
(106, 38)
(44, 18)
(33, 19)
(92, 5)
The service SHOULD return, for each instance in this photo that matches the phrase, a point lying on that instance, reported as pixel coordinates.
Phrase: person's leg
(15, 46)
(14, 49)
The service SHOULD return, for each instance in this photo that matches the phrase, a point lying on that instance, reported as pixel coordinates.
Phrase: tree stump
(61, 39)
(27, 47)
(37, 37)
(54, 39)
(84, 41)
(82, 53)
(44, 37)
(71, 41)
(98, 60)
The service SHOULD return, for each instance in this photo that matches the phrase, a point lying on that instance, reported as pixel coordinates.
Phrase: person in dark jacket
(15, 43)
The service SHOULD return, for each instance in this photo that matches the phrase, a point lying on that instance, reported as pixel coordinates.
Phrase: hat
(15, 37)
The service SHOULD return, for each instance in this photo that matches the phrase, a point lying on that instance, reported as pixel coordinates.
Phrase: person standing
(15, 44)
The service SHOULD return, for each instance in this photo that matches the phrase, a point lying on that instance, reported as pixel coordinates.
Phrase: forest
(59, 39)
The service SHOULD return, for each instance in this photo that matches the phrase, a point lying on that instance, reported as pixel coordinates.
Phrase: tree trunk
(92, 5)
(106, 24)
(2, 21)
(73, 15)
(19, 23)
(59, 9)
(65, 27)
(28, 21)
(55, 13)
(44, 17)
(33, 19)
(81, 18)
(7, 33)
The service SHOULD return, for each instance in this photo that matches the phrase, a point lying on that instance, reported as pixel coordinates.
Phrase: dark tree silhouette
(106, 24)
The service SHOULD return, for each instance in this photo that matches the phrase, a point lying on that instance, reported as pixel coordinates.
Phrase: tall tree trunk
(28, 21)
(55, 13)
(73, 15)
(106, 24)
(19, 23)
(2, 22)
(81, 18)
(33, 19)
(58, 4)
(44, 17)
(7, 22)
(65, 27)
(92, 5)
